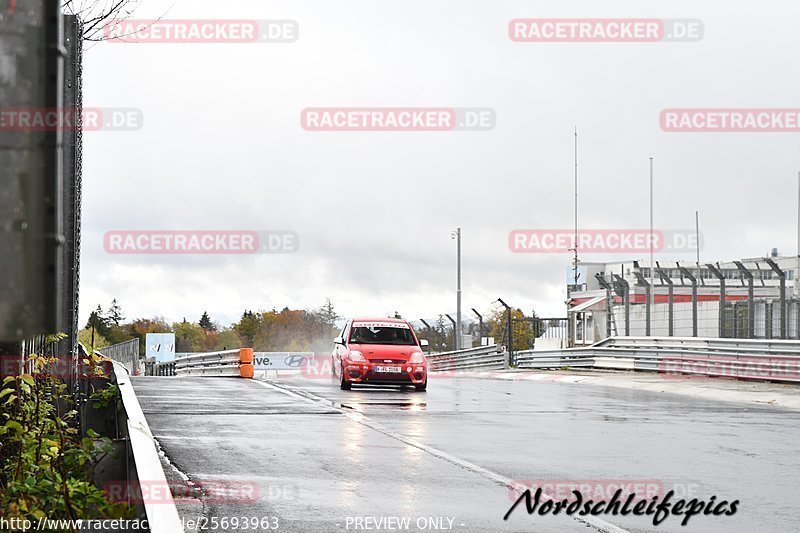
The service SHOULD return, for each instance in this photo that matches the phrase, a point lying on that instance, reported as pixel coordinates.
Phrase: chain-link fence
(760, 318)
(71, 191)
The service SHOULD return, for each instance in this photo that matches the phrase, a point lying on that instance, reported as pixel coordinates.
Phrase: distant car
(379, 351)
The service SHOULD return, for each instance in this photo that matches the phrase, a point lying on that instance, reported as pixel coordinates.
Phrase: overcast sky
(222, 148)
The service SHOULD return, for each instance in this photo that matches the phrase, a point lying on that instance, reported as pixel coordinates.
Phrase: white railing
(162, 516)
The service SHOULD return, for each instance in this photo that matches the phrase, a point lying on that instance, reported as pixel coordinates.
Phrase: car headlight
(417, 358)
(356, 356)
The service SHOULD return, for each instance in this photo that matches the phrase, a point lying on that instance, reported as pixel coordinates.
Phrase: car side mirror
(338, 340)
(423, 343)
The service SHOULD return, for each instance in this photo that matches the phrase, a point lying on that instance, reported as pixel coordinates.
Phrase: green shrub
(46, 468)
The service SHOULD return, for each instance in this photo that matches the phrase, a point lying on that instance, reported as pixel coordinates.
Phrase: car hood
(380, 352)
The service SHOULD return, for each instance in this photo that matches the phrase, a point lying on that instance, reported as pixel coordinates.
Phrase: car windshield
(381, 335)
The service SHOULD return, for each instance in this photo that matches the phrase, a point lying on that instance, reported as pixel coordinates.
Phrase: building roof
(588, 304)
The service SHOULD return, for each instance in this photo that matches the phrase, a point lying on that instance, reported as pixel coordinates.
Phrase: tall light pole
(697, 234)
(457, 236)
(652, 263)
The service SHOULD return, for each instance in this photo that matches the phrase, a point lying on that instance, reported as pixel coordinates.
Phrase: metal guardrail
(225, 363)
(763, 360)
(482, 358)
(576, 357)
(766, 360)
(736, 358)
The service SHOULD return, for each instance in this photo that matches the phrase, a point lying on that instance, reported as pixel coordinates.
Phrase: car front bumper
(366, 373)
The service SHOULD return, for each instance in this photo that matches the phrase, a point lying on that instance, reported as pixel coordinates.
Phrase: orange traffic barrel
(246, 369)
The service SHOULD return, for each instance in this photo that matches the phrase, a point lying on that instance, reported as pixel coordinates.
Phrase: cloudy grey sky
(222, 148)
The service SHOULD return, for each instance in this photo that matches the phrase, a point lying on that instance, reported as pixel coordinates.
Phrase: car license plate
(388, 369)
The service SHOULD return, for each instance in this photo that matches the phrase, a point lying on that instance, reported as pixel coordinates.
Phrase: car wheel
(343, 383)
(422, 386)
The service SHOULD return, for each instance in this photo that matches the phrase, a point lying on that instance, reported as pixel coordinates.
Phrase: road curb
(162, 517)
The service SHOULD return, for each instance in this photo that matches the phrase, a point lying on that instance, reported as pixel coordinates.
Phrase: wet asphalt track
(439, 458)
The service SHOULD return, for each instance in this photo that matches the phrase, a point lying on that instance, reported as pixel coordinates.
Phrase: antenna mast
(575, 240)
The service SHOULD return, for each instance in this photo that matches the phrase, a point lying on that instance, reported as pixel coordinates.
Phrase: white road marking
(210, 437)
(600, 525)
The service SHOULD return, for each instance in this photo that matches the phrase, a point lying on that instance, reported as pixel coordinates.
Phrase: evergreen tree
(115, 315)
(98, 322)
(327, 314)
(248, 327)
(206, 324)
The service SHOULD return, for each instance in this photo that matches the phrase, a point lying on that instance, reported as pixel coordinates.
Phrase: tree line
(299, 330)
(295, 330)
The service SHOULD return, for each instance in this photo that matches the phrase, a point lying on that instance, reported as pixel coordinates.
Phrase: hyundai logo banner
(280, 360)
(161, 346)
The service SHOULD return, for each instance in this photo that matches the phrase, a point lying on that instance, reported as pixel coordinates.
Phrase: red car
(379, 351)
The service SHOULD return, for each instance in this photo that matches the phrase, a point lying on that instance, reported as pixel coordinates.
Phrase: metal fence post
(480, 324)
(714, 270)
(687, 274)
(751, 305)
(510, 347)
(455, 332)
(782, 276)
(627, 301)
(428, 331)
